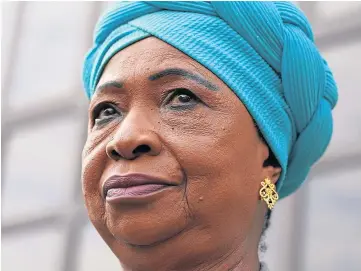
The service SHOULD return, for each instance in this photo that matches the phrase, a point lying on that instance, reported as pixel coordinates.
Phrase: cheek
(95, 159)
(216, 145)
(93, 164)
(220, 158)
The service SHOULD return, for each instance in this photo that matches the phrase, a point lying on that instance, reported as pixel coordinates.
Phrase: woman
(202, 115)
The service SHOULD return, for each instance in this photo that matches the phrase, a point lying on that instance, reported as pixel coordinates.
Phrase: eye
(182, 99)
(104, 113)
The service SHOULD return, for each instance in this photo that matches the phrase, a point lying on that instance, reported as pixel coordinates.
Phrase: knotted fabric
(263, 51)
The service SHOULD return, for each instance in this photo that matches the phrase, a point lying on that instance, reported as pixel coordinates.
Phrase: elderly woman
(202, 115)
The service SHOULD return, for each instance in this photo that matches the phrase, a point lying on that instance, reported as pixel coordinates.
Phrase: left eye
(106, 113)
(182, 98)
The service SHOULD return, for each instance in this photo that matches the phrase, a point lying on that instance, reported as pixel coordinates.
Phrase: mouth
(118, 188)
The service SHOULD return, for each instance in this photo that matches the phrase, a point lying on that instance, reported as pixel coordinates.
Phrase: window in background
(95, 255)
(50, 51)
(35, 251)
(333, 223)
(41, 164)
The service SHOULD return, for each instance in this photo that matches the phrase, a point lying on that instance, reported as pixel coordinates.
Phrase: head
(162, 113)
(165, 115)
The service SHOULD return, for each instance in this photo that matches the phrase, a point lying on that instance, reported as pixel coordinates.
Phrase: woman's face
(158, 117)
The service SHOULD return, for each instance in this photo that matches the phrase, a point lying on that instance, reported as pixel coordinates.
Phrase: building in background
(44, 119)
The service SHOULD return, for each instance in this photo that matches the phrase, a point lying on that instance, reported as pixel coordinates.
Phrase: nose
(134, 137)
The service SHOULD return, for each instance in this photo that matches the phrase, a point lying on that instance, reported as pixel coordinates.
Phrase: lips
(133, 185)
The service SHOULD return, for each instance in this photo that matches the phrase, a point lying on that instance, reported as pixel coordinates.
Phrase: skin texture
(209, 149)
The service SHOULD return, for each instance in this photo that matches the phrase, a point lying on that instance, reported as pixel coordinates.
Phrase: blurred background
(44, 116)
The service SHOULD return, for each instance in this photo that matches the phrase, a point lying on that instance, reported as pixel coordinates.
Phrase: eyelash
(170, 95)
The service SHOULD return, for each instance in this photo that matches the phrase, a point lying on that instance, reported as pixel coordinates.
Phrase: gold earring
(268, 193)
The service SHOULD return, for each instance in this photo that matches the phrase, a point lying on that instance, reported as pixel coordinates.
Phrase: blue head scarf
(264, 51)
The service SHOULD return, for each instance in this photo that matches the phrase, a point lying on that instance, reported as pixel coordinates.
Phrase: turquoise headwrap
(264, 51)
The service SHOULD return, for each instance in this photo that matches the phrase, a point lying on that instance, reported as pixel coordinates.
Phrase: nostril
(141, 149)
(115, 154)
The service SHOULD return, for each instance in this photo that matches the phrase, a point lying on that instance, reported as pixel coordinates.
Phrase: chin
(147, 224)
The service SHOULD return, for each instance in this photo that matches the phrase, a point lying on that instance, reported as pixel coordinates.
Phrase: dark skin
(201, 138)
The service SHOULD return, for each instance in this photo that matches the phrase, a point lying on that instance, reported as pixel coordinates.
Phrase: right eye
(104, 113)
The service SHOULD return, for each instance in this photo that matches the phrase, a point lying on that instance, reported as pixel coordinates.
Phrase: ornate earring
(268, 193)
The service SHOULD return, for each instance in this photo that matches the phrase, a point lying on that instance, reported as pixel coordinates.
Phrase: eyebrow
(113, 84)
(186, 74)
(166, 72)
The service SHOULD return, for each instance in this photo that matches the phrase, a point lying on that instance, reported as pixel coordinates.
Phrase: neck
(240, 259)
(236, 260)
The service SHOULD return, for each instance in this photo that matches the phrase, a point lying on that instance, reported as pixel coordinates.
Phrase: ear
(272, 173)
(270, 166)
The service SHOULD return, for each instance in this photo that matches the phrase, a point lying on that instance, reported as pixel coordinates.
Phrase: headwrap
(263, 51)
